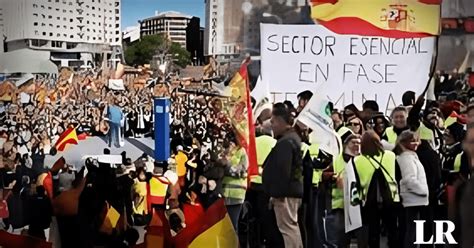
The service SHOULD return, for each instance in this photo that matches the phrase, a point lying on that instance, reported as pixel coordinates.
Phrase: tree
(142, 51)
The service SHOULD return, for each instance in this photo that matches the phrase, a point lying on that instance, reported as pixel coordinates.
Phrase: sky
(134, 10)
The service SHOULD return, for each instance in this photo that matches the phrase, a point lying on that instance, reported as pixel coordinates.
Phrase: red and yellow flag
(387, 18)
(67, 137)
(241, 116)
(213, 228)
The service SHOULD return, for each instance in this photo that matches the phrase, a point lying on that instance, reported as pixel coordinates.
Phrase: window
(42, 6)
(93, 8)
(44, 33)
(58, 35)
(35, 24)
(35, 5)
(58, 26)
(71, 20)
(43, 15)
(36, 32)
(51, 25)
(72, 36)
(64, 19)
(58, 18)
(43, 24)
(71, 28)
(64, 26)
(64, 11)
(117, 39)
(35, 15)
(50, 17)
(88, 22)
(51, 34)
(70, 3)
(117, 11)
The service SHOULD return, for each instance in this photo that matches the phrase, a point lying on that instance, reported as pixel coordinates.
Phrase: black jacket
(283, 169)
(431, 161)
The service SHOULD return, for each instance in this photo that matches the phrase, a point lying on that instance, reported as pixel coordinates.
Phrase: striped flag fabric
(213, 229)
(67, 137)
(241, 116)
(387, 18)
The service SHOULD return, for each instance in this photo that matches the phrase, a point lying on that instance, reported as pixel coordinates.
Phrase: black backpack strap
(380, 166)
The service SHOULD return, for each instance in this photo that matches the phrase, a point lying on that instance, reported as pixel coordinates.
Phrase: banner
(352, 214)
(344, 68)
(317, 116)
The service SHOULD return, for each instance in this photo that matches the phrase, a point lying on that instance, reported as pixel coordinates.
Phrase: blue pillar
(162, 129)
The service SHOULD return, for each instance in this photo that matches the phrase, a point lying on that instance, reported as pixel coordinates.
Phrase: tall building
(69, 32)
(233, 27)
(195, 41)
(171, 24)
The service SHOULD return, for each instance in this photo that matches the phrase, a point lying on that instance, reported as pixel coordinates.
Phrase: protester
(356, 125)
(282, 176)
(335, 223)
(234, 183)
(413, 185)
(41, 212)
(376, 171)
(114, 115)
(399, 124)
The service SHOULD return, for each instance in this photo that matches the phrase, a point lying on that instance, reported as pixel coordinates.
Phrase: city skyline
(135, 10)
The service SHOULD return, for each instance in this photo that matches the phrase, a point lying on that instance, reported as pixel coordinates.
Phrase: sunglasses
(353, 124)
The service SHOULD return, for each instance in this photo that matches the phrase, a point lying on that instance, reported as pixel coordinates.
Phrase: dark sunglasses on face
(353, 124)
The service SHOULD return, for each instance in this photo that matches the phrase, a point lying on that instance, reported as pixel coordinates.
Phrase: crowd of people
(414, 164)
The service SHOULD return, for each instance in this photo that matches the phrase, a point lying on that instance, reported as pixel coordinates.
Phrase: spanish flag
(67, 137)
(241, 116)
(387, 18)
(213, 229)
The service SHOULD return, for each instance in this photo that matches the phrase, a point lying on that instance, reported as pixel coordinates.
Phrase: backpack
(379, 192)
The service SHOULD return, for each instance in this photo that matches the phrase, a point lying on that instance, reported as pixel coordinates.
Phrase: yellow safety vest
(338, 194)
(391, 135)
(457, 162)
(264, 145)
(232, 187)
(317, 174)
(425, 133)
(365, 169)
(157, 188)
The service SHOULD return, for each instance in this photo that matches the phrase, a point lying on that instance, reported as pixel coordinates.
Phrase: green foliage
(181, 56)
(142, 51)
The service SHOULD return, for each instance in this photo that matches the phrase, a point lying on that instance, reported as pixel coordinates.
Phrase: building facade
(233, 27)
(171, 24)
(74, 32)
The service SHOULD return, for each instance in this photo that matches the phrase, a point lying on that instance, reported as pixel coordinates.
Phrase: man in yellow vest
(399, 124)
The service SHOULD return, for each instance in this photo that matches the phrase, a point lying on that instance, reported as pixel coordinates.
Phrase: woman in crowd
(379, 124)
(335, 232)
(376, 171)
(413, 185)
(234, 183)
(355, 124)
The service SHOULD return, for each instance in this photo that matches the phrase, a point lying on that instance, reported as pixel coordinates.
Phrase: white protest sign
(345, 68)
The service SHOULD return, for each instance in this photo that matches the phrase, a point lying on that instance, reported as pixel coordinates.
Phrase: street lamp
(267, 15)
